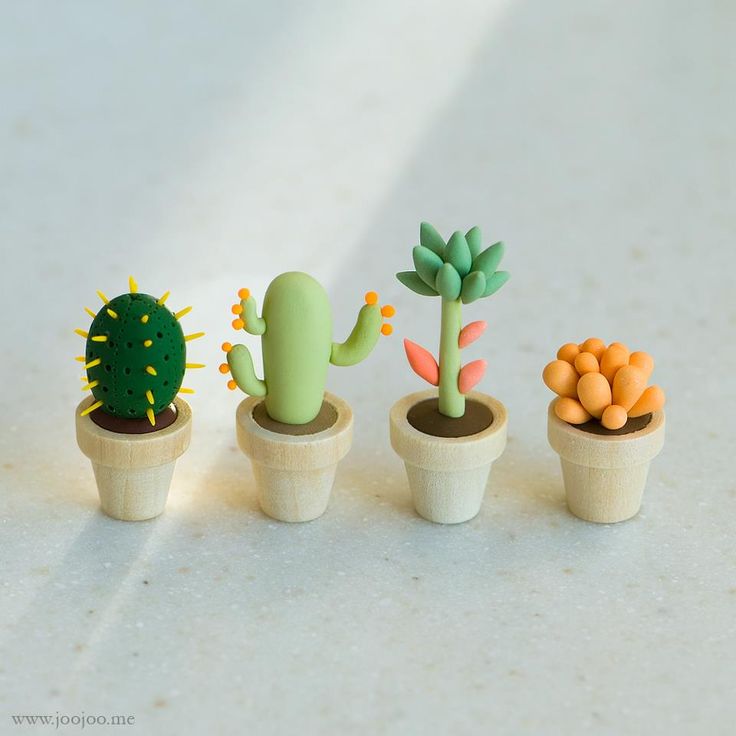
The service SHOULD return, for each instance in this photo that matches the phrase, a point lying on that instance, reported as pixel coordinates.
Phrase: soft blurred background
(208, 146)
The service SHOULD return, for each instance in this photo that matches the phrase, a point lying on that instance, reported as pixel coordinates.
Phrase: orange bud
(236, 309)
(586, 363)
(570, 410)
(594, 345)
(386, 329)
(224, 368)
(238, 324)
(388, 311)
(227, 347)
(614, 417)
(232, 385)
(568, 352)
(371, 297)
(244, 293)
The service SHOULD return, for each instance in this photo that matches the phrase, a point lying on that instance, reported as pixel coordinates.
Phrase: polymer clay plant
(449, 437)
(295, 432)
(135, 425)
(606, 425)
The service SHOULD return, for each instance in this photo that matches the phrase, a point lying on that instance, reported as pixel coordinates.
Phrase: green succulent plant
(460, 272)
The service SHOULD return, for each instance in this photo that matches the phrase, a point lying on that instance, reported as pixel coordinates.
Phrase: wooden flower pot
(605, 475)
(447, 475)
(133, 471)
(294, 472)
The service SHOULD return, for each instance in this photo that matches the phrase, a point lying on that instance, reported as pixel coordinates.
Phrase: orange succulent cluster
(609, 383)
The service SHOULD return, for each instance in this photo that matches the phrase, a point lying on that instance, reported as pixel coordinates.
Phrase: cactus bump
(135, 355)
(603, 383)
(295, 328)
(460, 272)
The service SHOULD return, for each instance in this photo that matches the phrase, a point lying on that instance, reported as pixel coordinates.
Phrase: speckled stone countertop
(205, 148)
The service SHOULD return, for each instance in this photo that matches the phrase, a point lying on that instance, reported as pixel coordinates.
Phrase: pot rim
(444, 453)
(605, 451)
(295, 452)
(127, 451)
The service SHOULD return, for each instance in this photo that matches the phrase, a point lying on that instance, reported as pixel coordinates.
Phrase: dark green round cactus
(142, 355)
(135, 357)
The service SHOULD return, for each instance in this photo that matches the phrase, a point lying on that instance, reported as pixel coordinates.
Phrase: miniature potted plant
(295, 432)
(606, 425)
(450, 437)
(134, 426)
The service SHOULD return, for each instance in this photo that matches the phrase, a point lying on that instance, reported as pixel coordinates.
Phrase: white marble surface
(208, 146)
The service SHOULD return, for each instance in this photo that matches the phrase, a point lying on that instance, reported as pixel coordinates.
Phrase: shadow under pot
(134, 462)
(295, 465)
(448, 461)
(604, 472)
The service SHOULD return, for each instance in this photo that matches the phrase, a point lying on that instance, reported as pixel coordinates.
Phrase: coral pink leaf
(422, 362)
(470, 374)
(471, 332)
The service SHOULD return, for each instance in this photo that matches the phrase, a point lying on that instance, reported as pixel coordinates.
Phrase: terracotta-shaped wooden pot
(133, 471)
(447, 475)
(294, 473)
(605, 475)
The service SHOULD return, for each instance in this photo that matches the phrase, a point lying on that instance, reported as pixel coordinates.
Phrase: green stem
(452, 402)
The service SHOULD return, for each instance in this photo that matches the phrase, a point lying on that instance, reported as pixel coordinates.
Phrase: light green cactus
(296, 343)
(459, 272)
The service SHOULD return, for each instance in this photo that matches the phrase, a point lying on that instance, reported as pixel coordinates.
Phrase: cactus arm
(451, 400)
(253, 324)
(362, 339)
(241, 367)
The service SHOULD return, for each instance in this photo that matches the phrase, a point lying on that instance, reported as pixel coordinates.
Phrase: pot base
(604, 495)
(294, 496)
(447, 497)
(136, 494)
